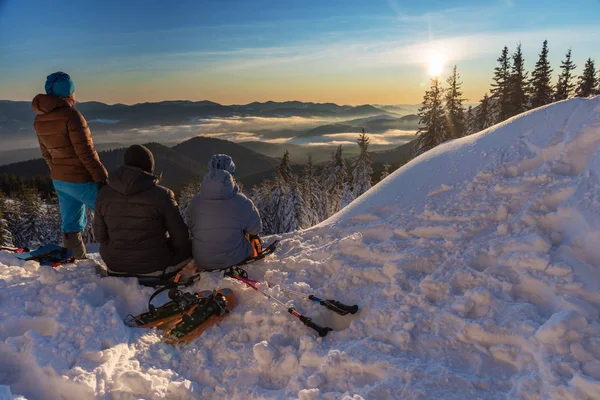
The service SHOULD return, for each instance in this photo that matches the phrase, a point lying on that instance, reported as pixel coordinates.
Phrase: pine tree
(432, 131)
(453, 108)
(347, 195)
(262, 198)
(53, 231)
(519, 100)
(470, 124)
(6, 237)
(483, 118)
(565, 88)
(287, 197)
(541, 77)
(88, 234)
(334, 177)
(312, 193)
(588, 81)
(386, 171)
(30, 230)
(501, 87)
(363, 167)
(188, 192)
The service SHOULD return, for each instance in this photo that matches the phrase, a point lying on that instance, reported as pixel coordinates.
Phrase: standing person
(66, 144)
(224, 223)
(137, 222)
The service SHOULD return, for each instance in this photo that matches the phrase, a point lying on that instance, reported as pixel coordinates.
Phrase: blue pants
(72, 200)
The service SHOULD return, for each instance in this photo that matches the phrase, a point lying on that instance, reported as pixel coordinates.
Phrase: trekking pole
(321, 330)
(333, 305)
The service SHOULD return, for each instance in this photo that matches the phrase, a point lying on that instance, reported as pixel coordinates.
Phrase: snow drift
(475, 265)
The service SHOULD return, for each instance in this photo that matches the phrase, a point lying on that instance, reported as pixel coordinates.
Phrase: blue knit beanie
(59, 84)
(221, 161)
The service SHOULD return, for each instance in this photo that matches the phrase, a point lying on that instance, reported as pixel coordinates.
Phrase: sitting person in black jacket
(137, 222)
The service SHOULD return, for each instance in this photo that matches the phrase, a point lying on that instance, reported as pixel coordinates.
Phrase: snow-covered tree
(519, 100)
(334, 176)
(483, 118)
(453, 108)
(262, 197)
(565, 88)
(501, 87)
(287, 199)
(470, 122)
(432, 131)
(53, 230)
(588, 82)
(6, 237)
(312, 193)
(347, 195)
(541, 76)
(386, 171)
(30, 230)
(188, 192)
(363, 167)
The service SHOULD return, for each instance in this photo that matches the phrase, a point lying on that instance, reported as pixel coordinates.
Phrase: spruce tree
(312, 193)
(541, 77)
(519, 100)
(53, 231)
(262, 197)
(287, 198)
(6, 237)
(564, 88)
(363, 167)
(483, 117)
(501, 87)
(347, 195)
(334, 177)
(432, 131)
(470, 123)
(588, 81)
(30, 230)
(386, 172)
(453, 108)
(188, 192)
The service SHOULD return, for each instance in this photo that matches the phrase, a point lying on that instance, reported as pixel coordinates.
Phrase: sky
(236, 52)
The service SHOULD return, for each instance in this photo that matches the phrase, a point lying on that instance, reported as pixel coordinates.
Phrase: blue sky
(239, 51)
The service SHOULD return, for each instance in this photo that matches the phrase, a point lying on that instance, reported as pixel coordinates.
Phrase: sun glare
(436, 65)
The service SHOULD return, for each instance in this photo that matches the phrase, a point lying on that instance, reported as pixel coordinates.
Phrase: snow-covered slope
(476, 267)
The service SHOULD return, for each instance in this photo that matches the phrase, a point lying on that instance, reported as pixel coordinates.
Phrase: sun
(436, 65)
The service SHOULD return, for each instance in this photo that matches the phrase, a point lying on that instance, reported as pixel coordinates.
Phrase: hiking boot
(74, 242)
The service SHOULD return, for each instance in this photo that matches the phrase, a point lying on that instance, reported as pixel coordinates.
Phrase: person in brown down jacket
(137, 222)
(66, 144)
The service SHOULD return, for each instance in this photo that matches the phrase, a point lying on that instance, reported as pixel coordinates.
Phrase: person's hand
(101, 184)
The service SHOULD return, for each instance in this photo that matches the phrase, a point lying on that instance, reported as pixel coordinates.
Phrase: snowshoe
(50, 254)
(212, 308)
(159, 317)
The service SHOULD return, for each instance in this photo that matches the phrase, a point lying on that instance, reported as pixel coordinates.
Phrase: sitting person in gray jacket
(222, 220)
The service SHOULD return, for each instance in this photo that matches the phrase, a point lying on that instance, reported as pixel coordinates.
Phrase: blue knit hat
(59, 84)
(221, 161)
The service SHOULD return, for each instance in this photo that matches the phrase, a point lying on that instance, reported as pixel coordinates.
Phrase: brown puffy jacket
(66, 141)
(138, 224)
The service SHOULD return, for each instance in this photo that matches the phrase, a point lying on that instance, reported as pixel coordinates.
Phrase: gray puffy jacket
(220, 216)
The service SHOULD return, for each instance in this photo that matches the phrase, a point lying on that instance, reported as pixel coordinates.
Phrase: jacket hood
(131, 180)
(218, 185)
(44, 104)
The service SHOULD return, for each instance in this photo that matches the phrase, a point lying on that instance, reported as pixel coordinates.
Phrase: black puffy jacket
(138, 224)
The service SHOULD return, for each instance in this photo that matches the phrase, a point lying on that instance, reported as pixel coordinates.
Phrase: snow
(475, 267)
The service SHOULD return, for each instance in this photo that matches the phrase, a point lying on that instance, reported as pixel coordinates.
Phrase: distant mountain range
(17, 116)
